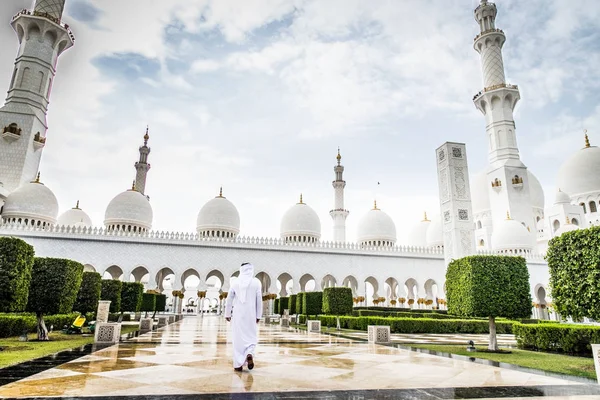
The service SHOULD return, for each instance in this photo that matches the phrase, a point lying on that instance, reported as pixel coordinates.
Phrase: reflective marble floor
(193, 357)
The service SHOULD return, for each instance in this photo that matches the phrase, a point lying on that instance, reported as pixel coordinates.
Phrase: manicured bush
(337, 300)
(283, 304)
(115, 317)
(312, 303)
(89, 293)
(299, 299)
(53, 289)
(489, 286)
(131, 296)
(400, 310)
(16, 263)
(111, 290)
(292, 304)
(574, 264)
(161, 302)
(276, 306)
(554, 337)
(148, 302)
(431, 315)
(16, 324)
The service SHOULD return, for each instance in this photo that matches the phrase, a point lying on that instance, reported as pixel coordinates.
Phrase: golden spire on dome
(220, 192)
(375, 205)
(508, 216)
(339, 156)
(37, 178)
(300, 199)
(146, 136)
(133, 185)
(425, 217)
(76, 206)
(587, 139)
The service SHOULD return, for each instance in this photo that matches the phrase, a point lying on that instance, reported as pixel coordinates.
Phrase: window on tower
(593, 208)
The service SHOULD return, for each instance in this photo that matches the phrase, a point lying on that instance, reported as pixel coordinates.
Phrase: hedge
(433, 315)
(276, 306)
(312, 303)
(161, 302)
(554, 337)
(292, 304)
(131, 296)
(16, 263)
(299, 304)
(401, 309)
(111, 290)
(337, 300)
(54, 285)
(283, 304)
(16, 324)
(89, 293)
(148, 302)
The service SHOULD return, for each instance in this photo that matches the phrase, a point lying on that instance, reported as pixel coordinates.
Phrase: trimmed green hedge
(337, 300)
(433, 315)
(561, 338)
(283, 304)
(54, 285)
(299, 302)
(401, 309)
(111, 290)
(131, 296)
(161, 302)
(312, 303)
(148, 302)
(16, 324)
(16, 263)
(276, 306)
(292, 304)
(89, 293)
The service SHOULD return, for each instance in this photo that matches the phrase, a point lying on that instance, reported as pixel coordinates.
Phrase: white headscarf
(246, 275)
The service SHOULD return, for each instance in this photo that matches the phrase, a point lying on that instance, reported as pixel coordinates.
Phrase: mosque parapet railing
(527, 256)
(186, 238)
(488, 31)
(498, 86)
(46, 16)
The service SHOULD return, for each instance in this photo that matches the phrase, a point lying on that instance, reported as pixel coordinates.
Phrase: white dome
(218, 214)
(511, 235)
(562, 197)
(129, 209)
(480, 197)
(536, 192)
(435, 234)
(32, 201)
(301, 221)
(75, 217)
(418, 234)
(579, 174)
(376, 226)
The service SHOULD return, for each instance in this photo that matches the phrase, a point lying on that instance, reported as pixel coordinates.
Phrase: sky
(257, 95)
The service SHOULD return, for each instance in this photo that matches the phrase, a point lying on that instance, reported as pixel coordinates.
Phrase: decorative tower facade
(42, 39)
(507, 175)
(339, 213)
(142, 167)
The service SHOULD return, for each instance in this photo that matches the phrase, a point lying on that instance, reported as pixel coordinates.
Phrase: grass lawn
(562, 364)
(15, 352)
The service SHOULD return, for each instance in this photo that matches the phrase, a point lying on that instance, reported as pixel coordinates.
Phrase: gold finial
(133, 185)
(508, 215)
(375, 205)
(76, 206)
(301, 199)
(220, 192)
(146, 136)
(568, 220)
(587, 139)
(37, 178)
(339, 156)
(425, 216)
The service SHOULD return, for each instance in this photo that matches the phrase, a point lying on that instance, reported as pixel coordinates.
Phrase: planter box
(379, 334)
(314, 326)
(107, 333)
(146, 325)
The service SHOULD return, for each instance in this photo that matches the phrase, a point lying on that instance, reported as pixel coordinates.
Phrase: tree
(131, 296)
(292, 304)
(574, 263)
(337, 300)
(312, 303)
(148, 302)
(283, 304)
(161, 303)
(16, 263)
(299, 299)
(489, 286)
(53, 290)
(111, 290)
(89, 293)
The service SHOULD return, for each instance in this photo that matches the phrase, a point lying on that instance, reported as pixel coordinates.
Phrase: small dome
(511, 236)
(32, 203)
(480, 197)
(435, 235)
(301, 224)
(129, 210)
(578, 175)
(562, 198)
(376, 228)
(218, 217)
(567, 227)
(536, 192)
(418, 234)
(75, 217)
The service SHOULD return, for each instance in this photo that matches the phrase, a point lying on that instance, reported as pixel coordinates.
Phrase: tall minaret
(507, 175)
(339, 213)
(142, 165)
(42, 38)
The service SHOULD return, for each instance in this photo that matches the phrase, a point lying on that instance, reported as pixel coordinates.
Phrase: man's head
(247, 269)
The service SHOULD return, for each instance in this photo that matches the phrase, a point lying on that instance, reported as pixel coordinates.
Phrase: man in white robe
(245, 298)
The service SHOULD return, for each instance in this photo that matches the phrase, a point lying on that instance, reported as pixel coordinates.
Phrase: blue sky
(257, 96)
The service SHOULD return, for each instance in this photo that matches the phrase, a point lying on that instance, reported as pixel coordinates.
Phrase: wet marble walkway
(193, 357)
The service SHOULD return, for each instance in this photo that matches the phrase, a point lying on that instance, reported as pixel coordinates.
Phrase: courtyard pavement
(192, 359)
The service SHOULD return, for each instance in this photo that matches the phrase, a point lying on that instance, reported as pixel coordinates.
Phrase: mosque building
(508, 211)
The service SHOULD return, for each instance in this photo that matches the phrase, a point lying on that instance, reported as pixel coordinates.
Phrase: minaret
(339, 213)
(142, 167)
(507, 175)
(42, 38)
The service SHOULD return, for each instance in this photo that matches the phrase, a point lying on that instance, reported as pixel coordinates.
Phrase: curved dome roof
(32, 200)
(536, 192)
(578, 174)
(301, 220)
(376, 225)
(129, 208)
(75, 217)
(220, 214)
(480, 197)
(511, 235)
(562, 197)
(568, 227)
(435, 234)
(418, 233)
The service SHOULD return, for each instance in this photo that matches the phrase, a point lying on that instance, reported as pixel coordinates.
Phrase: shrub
(114, 317)
(337, 300)
(292, 304)
(111, 290)
(89, 293)
(489, 286)
(554, 337)
(148, 302)
(574, 264)
(276, 306)
(312, 303)
(283, 304)
(16, 263)
(131, 296)
(16, 324)
(161, 302)
(299, 304)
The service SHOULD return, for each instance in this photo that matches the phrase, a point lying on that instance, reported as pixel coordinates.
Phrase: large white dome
(129, 210)
(33, 203)
(536, 192)
(218, 217)
(511, 236)
(435, 234)
(376, 228)
(418, 233)
(579, 174)
(301, 224)
(75, 217)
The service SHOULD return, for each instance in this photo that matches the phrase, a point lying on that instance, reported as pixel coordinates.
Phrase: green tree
(284, 303)
(312, 303)
(16, 262)
(131, 296)
(299, 299)
(488, 286)
(337, 300)
(292, 304)
(89, 293)
(111, 290)
(53, 290)
(148, 302)
(574, 264)
(161, 303)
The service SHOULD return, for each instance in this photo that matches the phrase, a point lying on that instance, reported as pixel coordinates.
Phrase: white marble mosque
(507, 202)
